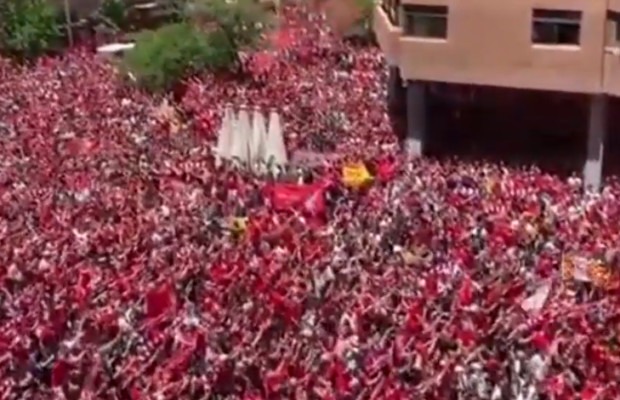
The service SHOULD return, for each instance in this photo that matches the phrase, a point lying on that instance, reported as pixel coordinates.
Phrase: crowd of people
(123, 277)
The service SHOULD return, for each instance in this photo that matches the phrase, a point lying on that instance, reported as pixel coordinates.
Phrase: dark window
(392, 9)
(613, 28)
(556, 26)
(426, 21)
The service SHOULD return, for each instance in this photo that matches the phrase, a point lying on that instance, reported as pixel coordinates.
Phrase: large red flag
(307, 197)
(159, 300)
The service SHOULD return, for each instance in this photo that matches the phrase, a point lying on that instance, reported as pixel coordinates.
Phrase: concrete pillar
(394, 89)
(597, 131)
(416, 118)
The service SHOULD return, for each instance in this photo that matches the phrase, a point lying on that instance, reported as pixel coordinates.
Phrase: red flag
(282, 39)
(466, 336)
(396, 394)
(590, 391)
(555, 385)
(315, 204)
(79, 146)
(287, 196)
(287, 308)
(466, 293)
(541, 341)
(159, 300)
(60, 371)
(78, 181)
(262, 62)
(414, 318)
(386, 169)
(135, 393)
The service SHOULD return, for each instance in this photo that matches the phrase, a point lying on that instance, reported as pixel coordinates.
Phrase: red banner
(305, 197)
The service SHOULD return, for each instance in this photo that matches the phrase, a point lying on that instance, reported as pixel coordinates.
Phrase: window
(426, 21)
(556, 27)
(613, 29)
(391, 8)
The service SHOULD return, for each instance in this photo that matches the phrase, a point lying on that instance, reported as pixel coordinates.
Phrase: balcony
(388, 35)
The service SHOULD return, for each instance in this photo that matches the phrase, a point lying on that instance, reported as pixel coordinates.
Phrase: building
(559, 46)
(80, 8)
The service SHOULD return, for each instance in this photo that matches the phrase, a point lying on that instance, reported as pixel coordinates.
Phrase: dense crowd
(122, 277)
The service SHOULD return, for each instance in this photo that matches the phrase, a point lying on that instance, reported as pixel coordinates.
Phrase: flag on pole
(356, 175)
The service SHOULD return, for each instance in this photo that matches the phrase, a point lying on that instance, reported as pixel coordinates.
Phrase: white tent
(115, 48)
(224, 137)
(259, 137)
(241, 136)
(275, 150)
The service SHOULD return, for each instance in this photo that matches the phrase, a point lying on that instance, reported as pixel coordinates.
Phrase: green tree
(163, 57)
(363, 27)
(29, 28)
(114, 13)
(367, 9)
(241, 22)
(210, 37)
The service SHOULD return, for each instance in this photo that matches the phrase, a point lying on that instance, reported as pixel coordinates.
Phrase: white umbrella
(259, 136)
(234, 135)
(275, 150)
(241, 137)
(225, 136)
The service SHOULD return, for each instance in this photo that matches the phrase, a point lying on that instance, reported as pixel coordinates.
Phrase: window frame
(392, 10)
(411, 12)
(613, 29)
(556, 20)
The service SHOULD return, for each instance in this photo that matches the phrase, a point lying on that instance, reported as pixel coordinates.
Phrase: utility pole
(69, 23)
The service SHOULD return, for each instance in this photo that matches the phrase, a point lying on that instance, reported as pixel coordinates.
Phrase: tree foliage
(241, 21)
(210, 38)
(367, 9)
(29, 28)
(115, 12)
(362, 29)
(163, 57)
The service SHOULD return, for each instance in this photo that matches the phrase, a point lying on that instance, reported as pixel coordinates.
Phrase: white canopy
(224, 137)
(275, 150)
(114, 48)
(259, 136)
(239, 149)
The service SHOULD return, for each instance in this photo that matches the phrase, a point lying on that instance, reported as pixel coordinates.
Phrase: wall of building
(611, 76)
(613, 5)
(81, 8)
(388, 36)
(489, 43)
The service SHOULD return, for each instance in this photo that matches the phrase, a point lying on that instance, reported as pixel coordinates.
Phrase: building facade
(568, 46)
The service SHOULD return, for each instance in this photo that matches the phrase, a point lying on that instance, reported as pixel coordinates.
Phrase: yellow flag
(355, 175)
(490, 185)
(568, 268)
(239, 225)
